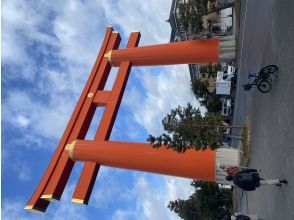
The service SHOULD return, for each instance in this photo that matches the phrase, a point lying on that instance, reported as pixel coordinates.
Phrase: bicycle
(263, 79)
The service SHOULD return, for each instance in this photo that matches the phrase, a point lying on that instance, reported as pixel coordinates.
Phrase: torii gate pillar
(138, 156)
(197, 51)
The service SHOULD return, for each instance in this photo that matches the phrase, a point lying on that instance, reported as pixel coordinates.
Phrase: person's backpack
(242, 217)
(247, 177)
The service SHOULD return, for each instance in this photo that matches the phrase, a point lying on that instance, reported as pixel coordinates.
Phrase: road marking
(244, 27)
(241, 55)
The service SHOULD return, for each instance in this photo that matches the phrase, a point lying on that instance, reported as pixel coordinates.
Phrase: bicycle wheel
(264, 86)
(269, 69)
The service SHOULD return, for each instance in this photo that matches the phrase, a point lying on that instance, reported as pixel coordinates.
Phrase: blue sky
(48, 49)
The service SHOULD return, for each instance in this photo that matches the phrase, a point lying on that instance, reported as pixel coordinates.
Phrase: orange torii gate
(138, 156)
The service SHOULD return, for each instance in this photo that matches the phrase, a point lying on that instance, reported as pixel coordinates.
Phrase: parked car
(228, 73)
(226, 107)
(226, 140)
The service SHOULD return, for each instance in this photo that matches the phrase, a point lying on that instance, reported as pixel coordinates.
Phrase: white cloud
(144, 198)
(109, 189)
(165, 89)
(149, 200)
(46, 121)
(147, 16)
(79, 30)
(151, 194)
(23, 170)
(59, 24)
(13, 209)
(65, 209)
(124, 215)
(70, 29)
(22, 22)
(177, 188)
(22, 121)
(106, 189)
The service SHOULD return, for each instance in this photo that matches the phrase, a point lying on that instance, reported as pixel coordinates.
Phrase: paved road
(272, 114)
(254, 28)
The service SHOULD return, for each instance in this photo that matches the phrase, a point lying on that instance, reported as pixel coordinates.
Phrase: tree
(213, 104)
(186, 209)
(209, 201)
(210, 70)
(203, 70)
(191, 13)
(199, 88)
(219, 8)
(190, 16)
(208, 99)
(186, 128)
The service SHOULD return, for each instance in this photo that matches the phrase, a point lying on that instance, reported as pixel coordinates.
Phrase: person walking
(249, 179)
(240, 216)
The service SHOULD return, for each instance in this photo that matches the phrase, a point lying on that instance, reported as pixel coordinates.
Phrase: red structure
(101, 151)
(202, 51)
(142, 157)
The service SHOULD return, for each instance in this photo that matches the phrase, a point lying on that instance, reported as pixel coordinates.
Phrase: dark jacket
(242, 217)
(247, 179)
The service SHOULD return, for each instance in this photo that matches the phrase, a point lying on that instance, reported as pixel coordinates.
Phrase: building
(223, 21)
(178, 33)
(227, 21)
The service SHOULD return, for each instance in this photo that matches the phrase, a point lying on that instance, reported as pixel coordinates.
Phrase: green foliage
(210, 70)
(191, 13)
(186, 128)
(186, 209)
(216, 29)
(211, 101)
(219, 7)
(199, 88)
(208, 202)
(191, 17)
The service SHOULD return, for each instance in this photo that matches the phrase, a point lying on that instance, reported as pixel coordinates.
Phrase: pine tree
(209, 70)
(208, 202)
(208, 99)
(186, 128)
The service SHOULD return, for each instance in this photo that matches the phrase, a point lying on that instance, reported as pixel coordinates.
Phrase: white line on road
(244, 27)
(241, 51)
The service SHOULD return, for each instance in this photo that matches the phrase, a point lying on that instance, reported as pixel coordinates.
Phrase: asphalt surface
(255, 20)
(268, 39)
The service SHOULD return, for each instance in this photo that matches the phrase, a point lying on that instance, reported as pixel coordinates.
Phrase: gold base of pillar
(50, 198)
(31, 208)
(78, 201)
(70, 147)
